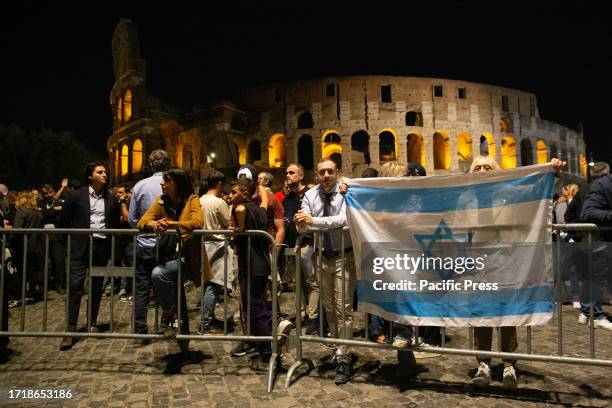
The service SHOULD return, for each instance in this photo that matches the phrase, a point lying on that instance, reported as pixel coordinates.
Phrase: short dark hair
(299, 166)
(244, 184)
(326, 159)
(46, 187)
(90, 167)
(212, 179)
(159, 160)
(369, 173)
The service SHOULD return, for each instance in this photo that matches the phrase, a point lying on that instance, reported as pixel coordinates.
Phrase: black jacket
(76, 214)
(597, 207)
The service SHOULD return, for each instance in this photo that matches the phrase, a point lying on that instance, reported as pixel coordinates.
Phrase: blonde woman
(483, 335)
(27, 216)
(568, 268)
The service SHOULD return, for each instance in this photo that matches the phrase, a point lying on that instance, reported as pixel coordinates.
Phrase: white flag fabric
(456, 250)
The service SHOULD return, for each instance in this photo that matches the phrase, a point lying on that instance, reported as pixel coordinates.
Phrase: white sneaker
(575, 305)
(509, 380)
(400, 342)
(283, 330)
(582, 318)
(602, 324)
(483, 376)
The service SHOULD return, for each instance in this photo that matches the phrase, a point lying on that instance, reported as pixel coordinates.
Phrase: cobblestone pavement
(116, 373)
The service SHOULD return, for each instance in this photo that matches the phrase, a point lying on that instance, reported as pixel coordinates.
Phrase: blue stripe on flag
(453, 198)
(505, 302)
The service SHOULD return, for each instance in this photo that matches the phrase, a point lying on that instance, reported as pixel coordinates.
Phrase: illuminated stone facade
(359, 121)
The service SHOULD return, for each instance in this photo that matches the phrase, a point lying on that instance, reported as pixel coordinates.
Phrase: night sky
(57, 63)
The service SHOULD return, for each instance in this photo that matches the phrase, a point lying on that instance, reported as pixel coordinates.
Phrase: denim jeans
(165, 280)
(209, 301)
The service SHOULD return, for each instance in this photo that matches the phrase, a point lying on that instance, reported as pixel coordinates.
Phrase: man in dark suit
(92, 206)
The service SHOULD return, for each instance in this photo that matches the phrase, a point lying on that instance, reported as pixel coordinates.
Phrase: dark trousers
(261, 311)
(78, 273)
(57, 258)
(4, 340)
(145, 262)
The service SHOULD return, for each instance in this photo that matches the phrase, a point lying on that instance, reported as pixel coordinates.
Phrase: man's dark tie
(328, 243)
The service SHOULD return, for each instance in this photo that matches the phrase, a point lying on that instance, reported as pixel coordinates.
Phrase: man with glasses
(323, 207)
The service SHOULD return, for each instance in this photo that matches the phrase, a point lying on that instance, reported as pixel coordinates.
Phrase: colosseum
(357, 121)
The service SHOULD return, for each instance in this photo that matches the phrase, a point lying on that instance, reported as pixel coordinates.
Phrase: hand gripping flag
(457, 250)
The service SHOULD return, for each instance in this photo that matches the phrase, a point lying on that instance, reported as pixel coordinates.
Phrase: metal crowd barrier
(111, 270)
(559, 358)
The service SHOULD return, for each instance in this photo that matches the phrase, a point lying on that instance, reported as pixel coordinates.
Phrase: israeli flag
(456, 250)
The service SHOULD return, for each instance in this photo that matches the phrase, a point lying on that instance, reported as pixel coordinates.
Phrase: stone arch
(137, 156)
(187, 157)
(117, 164)
(526, 152)
(414, 149)
(487, 145)
(571, 161)
(441, 150)
(276, 151)
(120, 111)
(305, 121)
(504, 125)
(254, 151)
(360, 148)
(306, 152)
(127, 106)
(508, 153)
(125, 158)
(464, 151)
(554, 151)
(332, 143)
(387, 145)
(583, 165)
(414, 118)
(541, 152)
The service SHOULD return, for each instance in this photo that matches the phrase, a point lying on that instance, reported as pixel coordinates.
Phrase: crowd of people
(169, 200)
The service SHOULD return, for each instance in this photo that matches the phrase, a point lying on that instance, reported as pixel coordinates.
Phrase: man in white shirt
(323, 207)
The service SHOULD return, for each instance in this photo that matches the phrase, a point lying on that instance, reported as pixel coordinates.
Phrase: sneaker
(575, 305)
(107, 291)
(602, 323)
(401, 342)
(283, 330)
(122, 293)
(242, 349)
(209, 331)
(125, 299)
(381, 339)
(483, 376)
(583, 319)
(66, 343)
(343, 374)
(509, 380)
(313, 327)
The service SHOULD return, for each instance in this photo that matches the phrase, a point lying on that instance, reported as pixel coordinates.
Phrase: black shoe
(343, 374)
(328, 363)
(313, 328)
(242, 349)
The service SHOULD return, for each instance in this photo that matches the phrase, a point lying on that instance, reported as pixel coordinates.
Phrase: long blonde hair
(567, 193)
(26, 199)
(393, 169)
